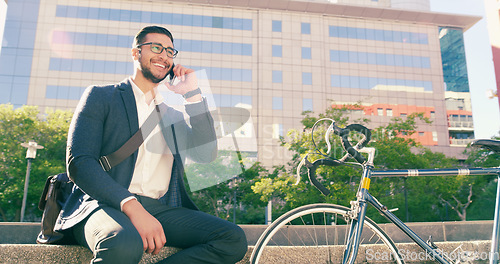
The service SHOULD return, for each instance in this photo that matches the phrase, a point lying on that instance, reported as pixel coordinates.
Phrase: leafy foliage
(22, 125)
(419, 198)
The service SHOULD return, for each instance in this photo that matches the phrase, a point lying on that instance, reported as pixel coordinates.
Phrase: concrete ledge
(25, 233)
(18, 245)
(53, 254)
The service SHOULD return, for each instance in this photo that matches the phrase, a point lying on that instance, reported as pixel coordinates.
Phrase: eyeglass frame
(174, 51)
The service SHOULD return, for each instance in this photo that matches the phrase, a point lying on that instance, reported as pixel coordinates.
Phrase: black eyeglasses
(158, 49)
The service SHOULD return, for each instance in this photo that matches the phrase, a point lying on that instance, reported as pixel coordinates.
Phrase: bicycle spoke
(312, 234)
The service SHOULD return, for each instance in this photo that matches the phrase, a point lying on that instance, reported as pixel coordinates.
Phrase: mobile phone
(171, 75)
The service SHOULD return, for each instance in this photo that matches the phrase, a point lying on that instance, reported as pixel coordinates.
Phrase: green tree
(22, 125)
(418, 198)
(223, 186)
(484, 187)
(279, 186)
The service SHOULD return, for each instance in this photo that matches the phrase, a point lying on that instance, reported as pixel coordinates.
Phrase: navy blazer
(105, 118)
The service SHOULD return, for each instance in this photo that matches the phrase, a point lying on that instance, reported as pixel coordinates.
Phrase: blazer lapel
(130, 107)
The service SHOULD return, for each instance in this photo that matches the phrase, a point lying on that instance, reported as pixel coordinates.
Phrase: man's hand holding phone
(183, 81)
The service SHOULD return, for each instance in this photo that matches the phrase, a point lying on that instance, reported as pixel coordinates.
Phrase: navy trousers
(204, 238)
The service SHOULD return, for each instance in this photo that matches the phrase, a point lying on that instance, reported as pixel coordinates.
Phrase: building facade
(274, 58)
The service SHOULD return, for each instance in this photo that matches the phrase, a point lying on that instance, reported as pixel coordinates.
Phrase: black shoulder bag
(58, 187)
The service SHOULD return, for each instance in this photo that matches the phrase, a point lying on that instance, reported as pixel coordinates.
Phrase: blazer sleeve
(198, 140)
(85, 146)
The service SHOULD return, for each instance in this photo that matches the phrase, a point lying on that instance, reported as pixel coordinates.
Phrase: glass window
(217, 22)
(362, 57)
(306, 53)
(225, 100)
(227, 48)
(277, 51)
(277, 103)
(114, 14)
(307, 104)
(305, 28)
(342, 32)
(277, 77)
(246, 75)
(197, 21)
(236, 75)
(343, 56)
(247, 24)
(333, 31)
(237, 23)
(74, 93)
(334, 55)
(227, 22)
(307, 78)
(434, 136)
(51, 92)
(361, 33)
(380, 111)
(276, 25)
(277, 130)
(388, 112)
(246, 99)
(19, 95)
(353, 57)
(246, 49)
(345, 81)
(62, 92)
(22, 65)
(185, 20)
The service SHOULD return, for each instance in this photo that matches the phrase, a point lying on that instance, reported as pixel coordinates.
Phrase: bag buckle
(103, 160)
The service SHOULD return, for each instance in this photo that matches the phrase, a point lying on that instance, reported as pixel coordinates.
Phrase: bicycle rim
(317, 233)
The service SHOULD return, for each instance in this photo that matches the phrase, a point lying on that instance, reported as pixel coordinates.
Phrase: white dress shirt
(153, 167)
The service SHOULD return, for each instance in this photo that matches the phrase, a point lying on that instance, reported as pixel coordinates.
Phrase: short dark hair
(139, 37)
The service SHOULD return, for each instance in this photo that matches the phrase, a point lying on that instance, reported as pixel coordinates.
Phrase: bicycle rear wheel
(317, 233)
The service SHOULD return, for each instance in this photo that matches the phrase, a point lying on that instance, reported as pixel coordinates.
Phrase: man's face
(154, 67)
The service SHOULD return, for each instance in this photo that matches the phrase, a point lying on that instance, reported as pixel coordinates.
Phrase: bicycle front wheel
(318, 233)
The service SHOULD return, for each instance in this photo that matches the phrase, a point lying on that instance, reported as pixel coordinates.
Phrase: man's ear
(136, 53)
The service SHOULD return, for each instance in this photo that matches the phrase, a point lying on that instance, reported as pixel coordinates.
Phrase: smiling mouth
(159, 65)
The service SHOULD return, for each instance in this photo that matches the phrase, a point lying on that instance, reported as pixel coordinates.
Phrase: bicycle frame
(364, 197)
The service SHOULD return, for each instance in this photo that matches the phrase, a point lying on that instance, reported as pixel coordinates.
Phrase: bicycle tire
(283, 242)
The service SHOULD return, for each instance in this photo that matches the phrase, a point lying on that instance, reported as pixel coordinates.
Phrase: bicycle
(337, 234)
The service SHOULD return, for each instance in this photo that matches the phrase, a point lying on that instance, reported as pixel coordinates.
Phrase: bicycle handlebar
(346, 145)
(311, 168)
(361, 144)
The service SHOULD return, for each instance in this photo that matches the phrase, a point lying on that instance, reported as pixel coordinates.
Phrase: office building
(276, 58)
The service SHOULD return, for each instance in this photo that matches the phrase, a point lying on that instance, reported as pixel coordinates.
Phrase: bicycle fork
(357, 215)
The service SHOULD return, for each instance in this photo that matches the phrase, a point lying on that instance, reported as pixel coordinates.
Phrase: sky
(486, 112)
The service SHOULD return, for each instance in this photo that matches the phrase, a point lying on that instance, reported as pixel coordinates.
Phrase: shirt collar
(143, 98)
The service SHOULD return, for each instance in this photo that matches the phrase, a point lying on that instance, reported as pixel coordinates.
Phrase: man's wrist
(192, 93)
(126, 200)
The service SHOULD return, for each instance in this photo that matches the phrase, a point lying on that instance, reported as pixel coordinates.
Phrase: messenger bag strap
(113, 159)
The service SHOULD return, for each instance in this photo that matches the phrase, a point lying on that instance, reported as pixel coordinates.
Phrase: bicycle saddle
(490, 144)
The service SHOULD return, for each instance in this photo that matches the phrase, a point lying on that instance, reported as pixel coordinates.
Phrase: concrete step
(25, 233)
(55, 254)
(18, 245)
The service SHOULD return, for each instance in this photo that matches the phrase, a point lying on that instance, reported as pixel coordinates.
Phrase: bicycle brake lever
(327, 137)
(297, 175)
